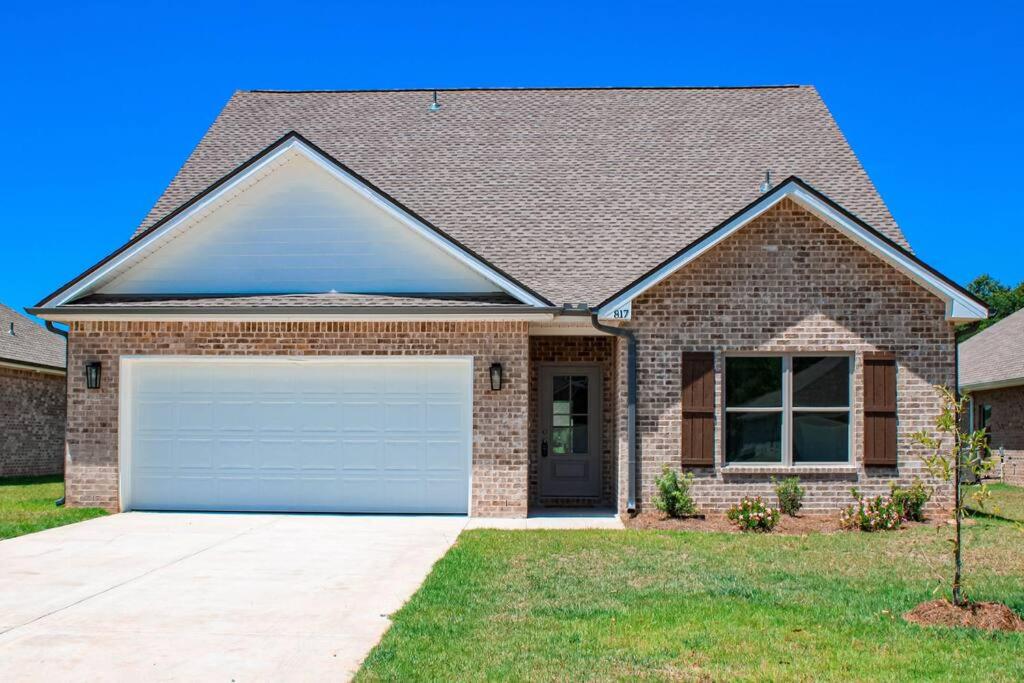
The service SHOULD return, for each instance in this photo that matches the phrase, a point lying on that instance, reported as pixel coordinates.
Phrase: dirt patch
(991, 616)
(791, 526)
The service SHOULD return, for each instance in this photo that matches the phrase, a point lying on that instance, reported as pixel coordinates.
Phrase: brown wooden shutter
(880, 409)
(698, 400)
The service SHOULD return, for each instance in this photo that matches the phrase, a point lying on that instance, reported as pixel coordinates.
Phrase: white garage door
(337, 435)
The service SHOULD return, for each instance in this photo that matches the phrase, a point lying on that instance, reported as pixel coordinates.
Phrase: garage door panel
(404, 455)
(350, 436)
(444, 417)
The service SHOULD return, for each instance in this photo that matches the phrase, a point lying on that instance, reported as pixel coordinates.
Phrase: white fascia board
(997, 384)
(71, 316)
(959, 308)
(291, 146)
(14, 365)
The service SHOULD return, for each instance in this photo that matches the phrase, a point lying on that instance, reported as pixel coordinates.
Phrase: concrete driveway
(220, 597)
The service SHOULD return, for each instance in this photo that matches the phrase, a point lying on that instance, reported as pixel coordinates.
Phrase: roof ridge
(275, 91)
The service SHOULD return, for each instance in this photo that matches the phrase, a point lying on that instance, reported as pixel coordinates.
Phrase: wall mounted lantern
(92, 375)
(496, 376)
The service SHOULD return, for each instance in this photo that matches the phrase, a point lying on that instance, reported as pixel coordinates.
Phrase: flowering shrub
(911, 501)
(673, 496)
(790, 494)
(751, 514)
(871, 514)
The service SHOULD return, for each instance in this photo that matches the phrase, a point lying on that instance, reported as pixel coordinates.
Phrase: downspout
(56, 330)
(630, 406)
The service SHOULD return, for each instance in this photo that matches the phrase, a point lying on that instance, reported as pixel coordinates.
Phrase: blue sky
(101, 104)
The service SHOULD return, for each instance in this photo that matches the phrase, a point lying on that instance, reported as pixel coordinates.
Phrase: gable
(298, 230)
(292, 221)
(960, 305)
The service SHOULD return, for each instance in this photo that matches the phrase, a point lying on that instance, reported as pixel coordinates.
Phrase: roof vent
(766, 184)
(434, 104)
(10, 330)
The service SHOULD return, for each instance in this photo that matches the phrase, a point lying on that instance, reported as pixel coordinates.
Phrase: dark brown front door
(570, 431)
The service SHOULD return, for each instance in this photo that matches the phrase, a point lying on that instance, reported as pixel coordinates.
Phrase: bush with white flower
(751, 514)
(880, 513)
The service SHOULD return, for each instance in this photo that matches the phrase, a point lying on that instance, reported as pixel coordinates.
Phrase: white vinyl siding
(298, 230)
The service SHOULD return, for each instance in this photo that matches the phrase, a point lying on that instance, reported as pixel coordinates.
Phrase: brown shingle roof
(30, 343)
(576, 192)
(996, 354)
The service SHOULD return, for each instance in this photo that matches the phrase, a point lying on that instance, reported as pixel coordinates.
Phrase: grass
(26, 506)
(1006, 501)
(662, 605)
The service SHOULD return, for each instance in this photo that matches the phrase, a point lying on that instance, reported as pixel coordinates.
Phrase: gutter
(630, 338)
(56, 330)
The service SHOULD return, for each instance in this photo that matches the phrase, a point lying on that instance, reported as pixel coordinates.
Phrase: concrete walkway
(209, 597)
(219, 597)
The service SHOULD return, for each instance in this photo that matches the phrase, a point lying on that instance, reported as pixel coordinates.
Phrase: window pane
(753, 382)
(560, 437)
(579, 439)
(753, 437)
(821, 437)
(579, 394)
(821, 382)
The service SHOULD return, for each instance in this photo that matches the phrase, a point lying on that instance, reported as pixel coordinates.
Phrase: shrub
(871, 514)
(751, 514)
(673, 496)
(911, 501)
(790, 494)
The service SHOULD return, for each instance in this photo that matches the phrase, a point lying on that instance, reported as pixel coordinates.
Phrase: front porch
(572, 434)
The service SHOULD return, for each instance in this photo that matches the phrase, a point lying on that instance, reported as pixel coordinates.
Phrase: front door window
(569, 414)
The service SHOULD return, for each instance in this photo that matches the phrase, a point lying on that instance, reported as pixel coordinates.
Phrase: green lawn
(1005, 501)
(661, 605)
(26, 505)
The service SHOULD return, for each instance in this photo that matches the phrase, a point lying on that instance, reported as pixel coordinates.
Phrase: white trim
(959, 308)
(31, 368)
(127, 363)
(996, 384)
(68, 316)
(291, 146)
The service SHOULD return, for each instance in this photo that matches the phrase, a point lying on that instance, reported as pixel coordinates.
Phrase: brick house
(992, 372)
(32, 397)
(506, 301)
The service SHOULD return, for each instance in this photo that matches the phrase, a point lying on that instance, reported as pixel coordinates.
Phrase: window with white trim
(787, 409)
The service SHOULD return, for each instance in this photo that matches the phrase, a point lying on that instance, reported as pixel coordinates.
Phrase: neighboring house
(358, 301)
(992, 371)
(32, 397)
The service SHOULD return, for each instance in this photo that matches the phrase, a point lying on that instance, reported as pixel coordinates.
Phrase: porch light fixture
(92, 375)
(496, 376)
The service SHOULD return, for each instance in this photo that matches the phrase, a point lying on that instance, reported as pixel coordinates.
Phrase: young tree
(955, 451)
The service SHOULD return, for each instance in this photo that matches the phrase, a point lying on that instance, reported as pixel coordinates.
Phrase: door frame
(596, 371)
(124, 401)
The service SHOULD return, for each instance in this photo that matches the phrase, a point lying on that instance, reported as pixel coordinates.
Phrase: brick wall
(582, 349)
(31, 423)
(1006, 429)
(499, 418)
(787, 283)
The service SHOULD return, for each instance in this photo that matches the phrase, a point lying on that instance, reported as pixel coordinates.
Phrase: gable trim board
(961, 305)
(292, 142)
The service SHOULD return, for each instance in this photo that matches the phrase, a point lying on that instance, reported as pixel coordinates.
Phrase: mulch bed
(791, 526)
(990, 616)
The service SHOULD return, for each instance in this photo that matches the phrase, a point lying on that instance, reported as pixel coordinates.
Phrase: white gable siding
(298, 230)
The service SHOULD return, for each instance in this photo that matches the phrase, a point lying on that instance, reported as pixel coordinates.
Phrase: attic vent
(434, 104)
(10, 330)
(766, 184)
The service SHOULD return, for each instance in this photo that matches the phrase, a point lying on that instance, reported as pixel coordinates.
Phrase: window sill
(789, 469)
